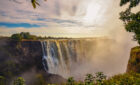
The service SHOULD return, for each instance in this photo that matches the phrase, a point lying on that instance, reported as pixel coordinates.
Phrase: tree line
(99, 78)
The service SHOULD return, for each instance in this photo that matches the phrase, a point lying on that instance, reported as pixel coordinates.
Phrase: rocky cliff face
(75, 57)
(19, 56)
(22, 59)
(134, 61)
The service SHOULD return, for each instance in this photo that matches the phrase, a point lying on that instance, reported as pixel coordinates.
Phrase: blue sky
(16, 25)
(71, 18)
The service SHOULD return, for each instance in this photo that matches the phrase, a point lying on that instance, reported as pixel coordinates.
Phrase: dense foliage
(23, 35)
(27, 36)
(19, 81)
(133, 3)
(124, 79)
(131, 20)
(99, 79)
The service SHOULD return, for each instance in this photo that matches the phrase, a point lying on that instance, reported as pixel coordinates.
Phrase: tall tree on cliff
(131, 20)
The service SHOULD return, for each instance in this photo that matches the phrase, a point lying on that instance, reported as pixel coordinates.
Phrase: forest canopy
(23, 35)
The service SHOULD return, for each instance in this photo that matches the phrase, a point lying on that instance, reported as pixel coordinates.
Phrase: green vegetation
(89, 79)
(124, 79)
(134, 61)
(99, 79)
(40, 80)
(23, 35)
(70, 81)
(16, 37)
(19, 81)
(35, 2)
(27, 36)
(131, 20)
(2, 80)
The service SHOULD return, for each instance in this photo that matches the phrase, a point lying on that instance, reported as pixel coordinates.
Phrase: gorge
(65, 57)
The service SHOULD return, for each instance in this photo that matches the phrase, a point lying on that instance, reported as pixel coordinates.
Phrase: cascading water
(57, 56)
(77, 57)
(60, 55)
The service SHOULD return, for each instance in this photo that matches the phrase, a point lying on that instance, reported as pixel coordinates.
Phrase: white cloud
(80, 16)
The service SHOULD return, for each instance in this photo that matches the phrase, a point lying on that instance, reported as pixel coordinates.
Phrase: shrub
(124, 79)
(16, 37)
(19, 81)
(23, 35)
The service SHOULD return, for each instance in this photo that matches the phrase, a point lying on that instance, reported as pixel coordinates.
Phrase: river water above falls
(77, 57)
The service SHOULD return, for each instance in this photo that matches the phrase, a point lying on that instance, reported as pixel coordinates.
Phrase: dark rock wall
(18, 57)
(134, 61)
(23, 59)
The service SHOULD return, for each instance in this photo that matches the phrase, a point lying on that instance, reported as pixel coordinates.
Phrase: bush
(23, 35)
(2, 80)
(70, 81)
(19, 81)
(16, 37)
(124, 79)
(40, 80)
(99, 79)
(89, 79)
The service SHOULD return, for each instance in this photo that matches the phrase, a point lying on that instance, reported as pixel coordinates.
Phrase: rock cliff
(134, 61)
(23, 59)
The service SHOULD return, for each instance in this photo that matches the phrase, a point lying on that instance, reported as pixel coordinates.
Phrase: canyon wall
(56, 59)
(134, 61)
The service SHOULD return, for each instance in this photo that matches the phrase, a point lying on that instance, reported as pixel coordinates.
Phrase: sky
(60, 18)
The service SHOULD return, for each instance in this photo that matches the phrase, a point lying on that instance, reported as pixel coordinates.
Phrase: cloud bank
(71, 18)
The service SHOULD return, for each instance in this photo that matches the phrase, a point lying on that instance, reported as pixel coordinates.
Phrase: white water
(69, 57)
(53, 59)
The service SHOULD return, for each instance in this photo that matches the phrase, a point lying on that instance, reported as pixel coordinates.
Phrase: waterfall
(48, 61)
(59, 56)
(56, 58)
(77, 57)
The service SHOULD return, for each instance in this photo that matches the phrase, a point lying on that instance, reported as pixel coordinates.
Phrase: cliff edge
(23, 58)
(134, 61)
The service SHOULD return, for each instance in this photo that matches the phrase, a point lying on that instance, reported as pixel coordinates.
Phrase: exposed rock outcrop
(19, 58)
(134, 61)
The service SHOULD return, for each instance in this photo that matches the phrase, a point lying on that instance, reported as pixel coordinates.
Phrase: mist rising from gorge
(78, 57)
(84, 18)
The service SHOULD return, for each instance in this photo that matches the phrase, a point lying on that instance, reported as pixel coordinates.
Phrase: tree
(23, 35)
(133, 3)
(124, 79)
(89, 79)
(19, 81)
(70, 81)
(16, 37)
(100, 77)
(131, 20)
(2, 80)
(34, 3)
